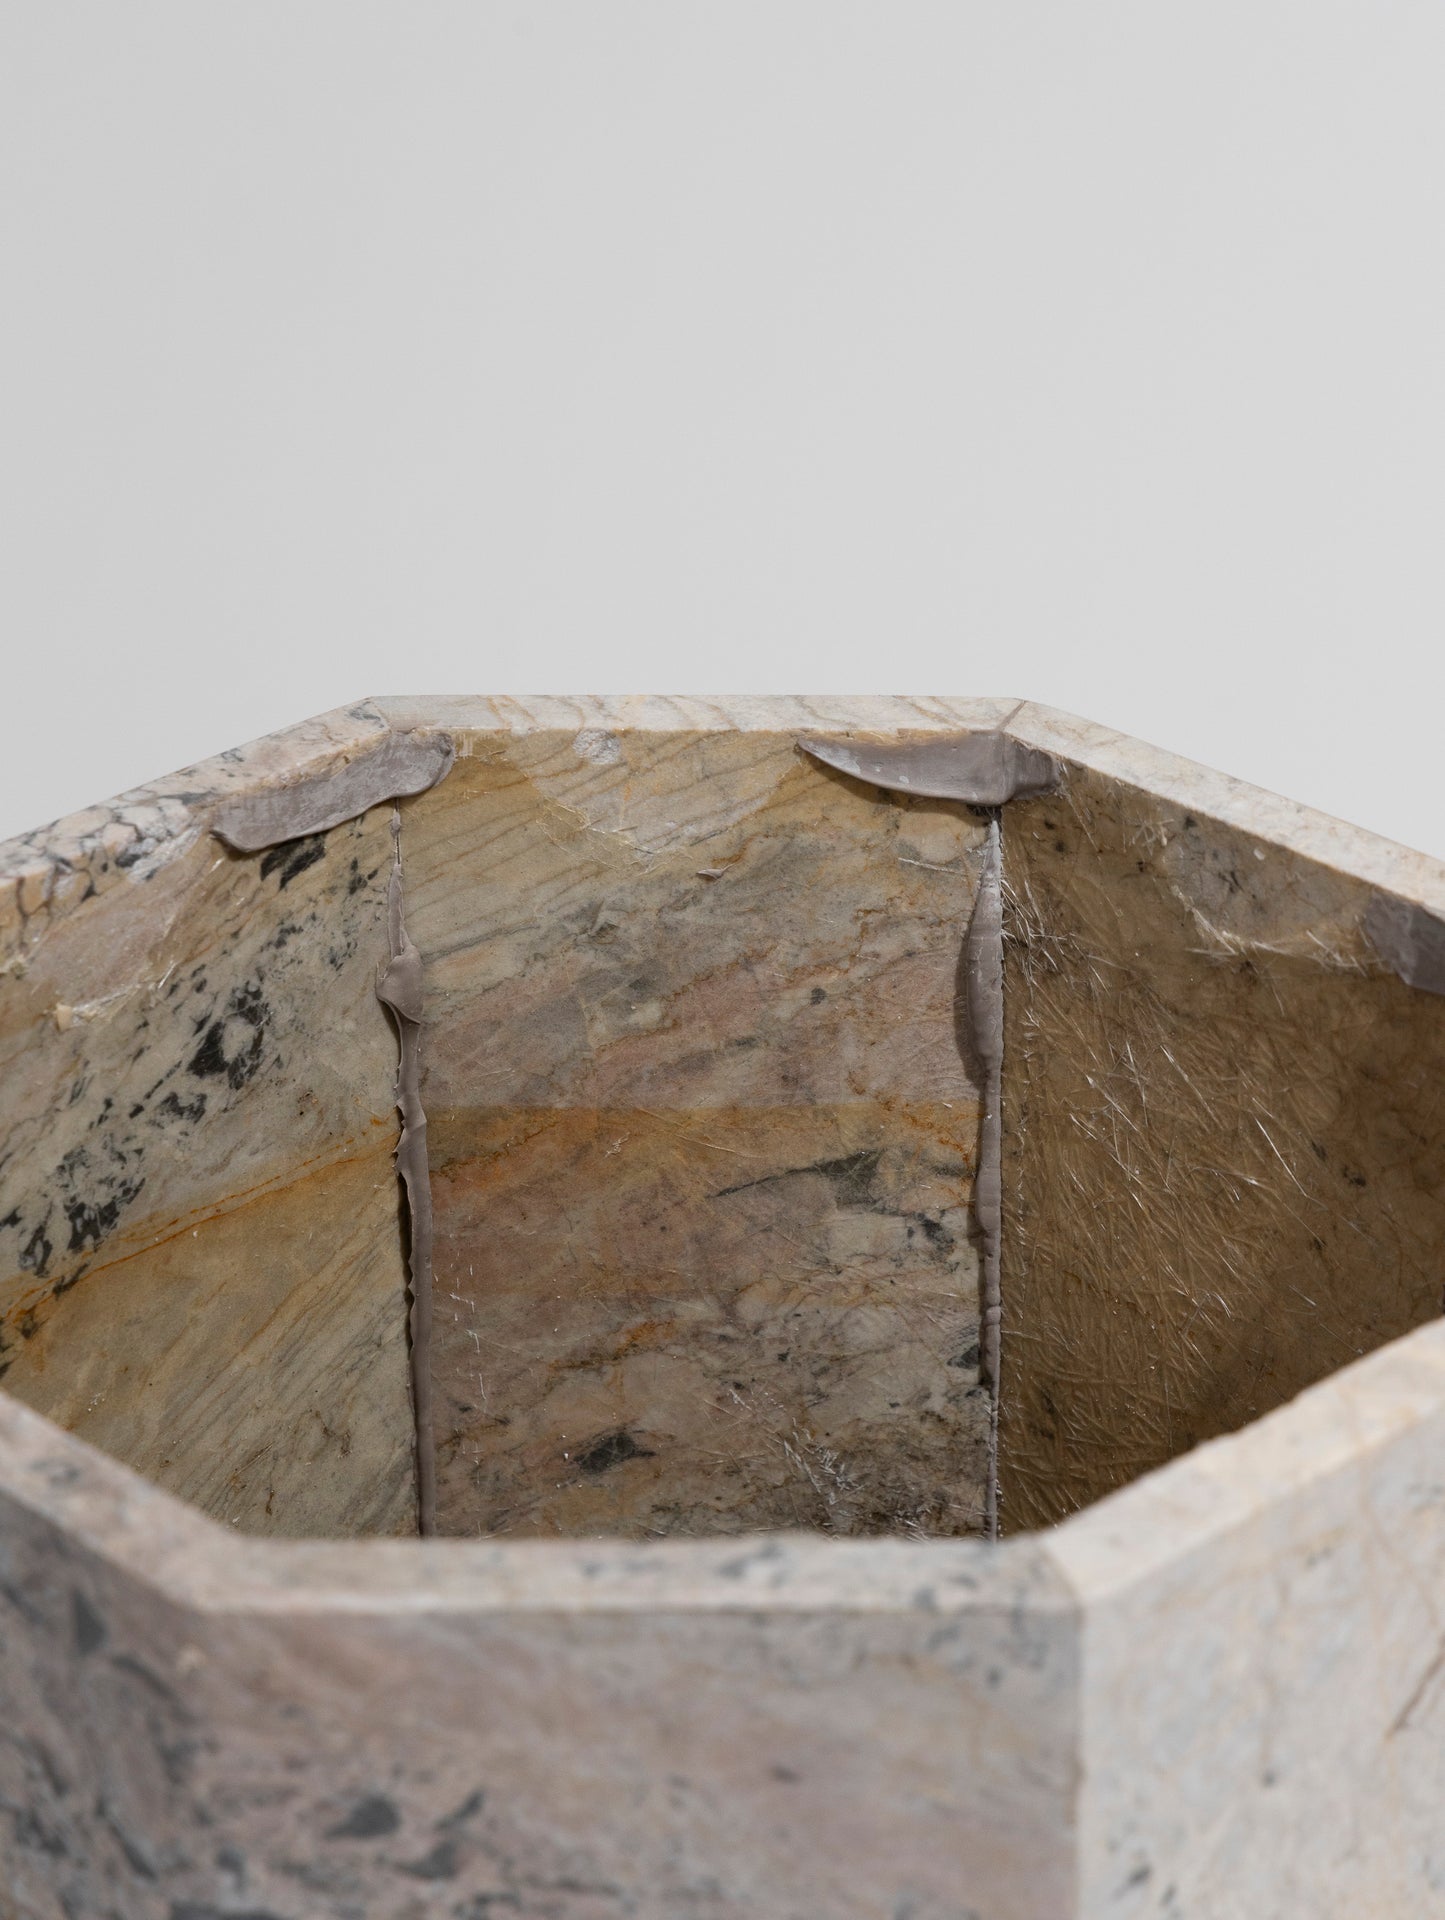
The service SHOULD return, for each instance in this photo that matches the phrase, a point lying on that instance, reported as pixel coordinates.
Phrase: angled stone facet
(694, 1299)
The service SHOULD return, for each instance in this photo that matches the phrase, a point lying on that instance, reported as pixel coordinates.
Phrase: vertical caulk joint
(399, 988)
(983, 988)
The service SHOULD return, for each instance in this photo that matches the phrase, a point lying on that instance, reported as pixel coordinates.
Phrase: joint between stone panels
(983, 996)
(984, 769)
(399, 989)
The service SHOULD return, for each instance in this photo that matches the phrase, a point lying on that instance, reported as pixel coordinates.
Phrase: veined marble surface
(702, 1140)
(1219, 1692)
(1223, 1148)
(1262, 1662)
(796, 1727)
(200, 1262)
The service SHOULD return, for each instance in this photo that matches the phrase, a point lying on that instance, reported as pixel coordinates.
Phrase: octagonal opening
(703, 1137)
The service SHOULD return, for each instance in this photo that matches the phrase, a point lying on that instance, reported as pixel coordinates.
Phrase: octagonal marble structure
(910, 1329)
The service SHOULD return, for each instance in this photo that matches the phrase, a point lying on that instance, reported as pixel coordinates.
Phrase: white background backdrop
(1090, 353)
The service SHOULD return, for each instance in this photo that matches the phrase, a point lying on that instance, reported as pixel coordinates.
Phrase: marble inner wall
(702, 1139)
(201, 1261)
(1224, 1138)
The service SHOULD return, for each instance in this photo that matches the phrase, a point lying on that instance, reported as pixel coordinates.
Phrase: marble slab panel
(702, 1140)
(795, 1727)
(1217, 1692)
(200, 1254)
(1262, 1662)
(1223, 1140)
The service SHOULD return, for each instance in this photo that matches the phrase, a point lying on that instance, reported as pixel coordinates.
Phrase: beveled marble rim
(1188, 1506)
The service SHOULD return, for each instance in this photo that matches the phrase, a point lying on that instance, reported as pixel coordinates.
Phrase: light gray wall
(1091, 353)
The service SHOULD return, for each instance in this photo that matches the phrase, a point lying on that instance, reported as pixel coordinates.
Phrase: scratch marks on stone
(1207, 1140)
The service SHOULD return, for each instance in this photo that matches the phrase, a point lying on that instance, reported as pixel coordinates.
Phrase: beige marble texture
(702, 1140)
(1262, 1659)
(200, 1260)
(1224, 1158)
(788, 1725)
(1217, 1692)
